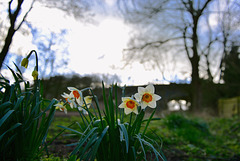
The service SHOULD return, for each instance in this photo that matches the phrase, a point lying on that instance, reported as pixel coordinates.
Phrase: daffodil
(129, 104)
(24, 62)
(88, 101)
(69, 99)
(77, 94)
(146, 96)
(61, 107)
(34, 74)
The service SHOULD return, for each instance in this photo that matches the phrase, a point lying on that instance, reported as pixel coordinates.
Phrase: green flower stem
(83, 119)
(98, 107)
(36, 81)
(130, 123)
(105, 105)
(149, 120)
(116, 103)
(36, 56)
(89, 113)
(122, 110)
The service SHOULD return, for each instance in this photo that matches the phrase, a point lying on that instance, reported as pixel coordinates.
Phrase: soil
(58, 148)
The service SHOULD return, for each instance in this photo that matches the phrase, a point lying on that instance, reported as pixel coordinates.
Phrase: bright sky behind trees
(93, 47)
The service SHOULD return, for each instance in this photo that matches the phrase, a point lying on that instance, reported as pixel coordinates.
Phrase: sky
(94, 48)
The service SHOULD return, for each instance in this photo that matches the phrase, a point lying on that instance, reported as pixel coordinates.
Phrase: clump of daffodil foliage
(24, 116)
(110, 134)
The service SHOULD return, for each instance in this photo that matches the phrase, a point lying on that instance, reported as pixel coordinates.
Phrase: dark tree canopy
(231, 75)
(80, 9)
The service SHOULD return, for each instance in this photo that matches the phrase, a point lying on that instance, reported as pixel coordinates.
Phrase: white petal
(85, 112)
(156, 97)
(143, 105)
(79, 101)
(88, 105)
(58, 105)
(152, 104)
(64, 95)
(135, 111)
(127, 111)
(150, 88)
(71, 105)
(72, 88)
(141, 90)
(138, 97)
(71, 95)
(125, 98)
(122, 105)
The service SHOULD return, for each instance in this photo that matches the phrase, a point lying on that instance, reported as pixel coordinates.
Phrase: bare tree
(80, 9)
(52, 49)
(13, 14)
(175, 27)
(229, 30)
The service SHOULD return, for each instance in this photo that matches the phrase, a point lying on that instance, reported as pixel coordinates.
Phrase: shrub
(190, 130)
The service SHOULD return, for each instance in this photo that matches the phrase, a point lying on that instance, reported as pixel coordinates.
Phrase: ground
(171, 148)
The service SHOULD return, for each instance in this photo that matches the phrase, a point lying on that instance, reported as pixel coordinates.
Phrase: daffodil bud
(24, 62)
(35, 74)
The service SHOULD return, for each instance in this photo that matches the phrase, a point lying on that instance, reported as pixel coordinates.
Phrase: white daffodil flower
(129, 104)
(146, 96)
(69, 99)
(60, 106)
(77, 94)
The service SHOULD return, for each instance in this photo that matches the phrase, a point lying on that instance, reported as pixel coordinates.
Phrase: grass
(192, 138)
(183, 137)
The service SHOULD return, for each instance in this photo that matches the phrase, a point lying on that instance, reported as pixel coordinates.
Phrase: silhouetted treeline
(210, 92)
(55, 86)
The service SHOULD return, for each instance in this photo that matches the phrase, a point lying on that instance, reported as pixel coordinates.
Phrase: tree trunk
(7, 44)
(11, 31)
(195, 84)
(195, 64)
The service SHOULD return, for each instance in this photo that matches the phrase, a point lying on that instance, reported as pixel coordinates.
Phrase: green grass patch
(192, 138)
(184, 137)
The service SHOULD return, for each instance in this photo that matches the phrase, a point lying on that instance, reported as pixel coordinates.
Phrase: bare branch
(25, 16)
(154, 43)
(185, 43)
